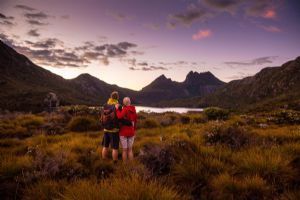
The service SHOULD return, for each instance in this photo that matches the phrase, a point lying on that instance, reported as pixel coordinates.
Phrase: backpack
(108, 117)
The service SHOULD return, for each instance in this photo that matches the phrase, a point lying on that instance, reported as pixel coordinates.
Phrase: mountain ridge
(24, 85)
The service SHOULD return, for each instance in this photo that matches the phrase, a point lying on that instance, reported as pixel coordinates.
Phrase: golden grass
(69, 166)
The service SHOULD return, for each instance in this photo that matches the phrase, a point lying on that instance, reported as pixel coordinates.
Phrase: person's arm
(121, 113)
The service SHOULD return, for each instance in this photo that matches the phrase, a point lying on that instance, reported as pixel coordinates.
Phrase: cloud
(270, 14)
(65, 17)
(192, 14)
(46, 52)
(115, 50)
(39, 15)
(53, 52)
(253, 62)
(137, 53)
(105, 60)
(126, 45)
(88, 45)
(263, 8)
(47, 43)
(119, 16)
(273, 29)
(33, 33)
(143, 64)
(24, 7)
(6, 20)
(150, 68)
(36, 22)
(6, 23)
(152, 26)
(2, 16)
(239, 75)
(202, 34)
(90, 55)
(224, 5)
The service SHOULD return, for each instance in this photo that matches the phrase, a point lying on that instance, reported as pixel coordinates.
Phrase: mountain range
(24, 86)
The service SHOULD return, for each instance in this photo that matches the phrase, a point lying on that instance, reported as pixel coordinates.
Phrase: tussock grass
(248, 187)
(268, 163)
(245, 157)
(133, 187)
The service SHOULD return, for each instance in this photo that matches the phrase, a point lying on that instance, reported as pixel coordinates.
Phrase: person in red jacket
(128, 118)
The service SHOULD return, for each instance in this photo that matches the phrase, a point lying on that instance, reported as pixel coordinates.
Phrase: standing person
(110, 123)
(128, 118)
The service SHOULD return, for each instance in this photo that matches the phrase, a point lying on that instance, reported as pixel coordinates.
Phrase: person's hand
(117, 106)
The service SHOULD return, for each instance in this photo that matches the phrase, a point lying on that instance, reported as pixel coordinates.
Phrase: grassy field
(210, 155)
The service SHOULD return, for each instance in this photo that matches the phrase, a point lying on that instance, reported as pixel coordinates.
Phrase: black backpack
(108, 117)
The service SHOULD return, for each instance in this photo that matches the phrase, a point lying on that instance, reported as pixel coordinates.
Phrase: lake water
(168, 109)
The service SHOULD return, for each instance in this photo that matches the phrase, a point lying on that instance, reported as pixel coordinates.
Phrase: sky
(132, 42)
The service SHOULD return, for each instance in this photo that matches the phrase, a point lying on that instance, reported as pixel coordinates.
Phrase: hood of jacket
(112, 101)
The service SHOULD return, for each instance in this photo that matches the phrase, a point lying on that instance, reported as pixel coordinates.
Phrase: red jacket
(128, 113)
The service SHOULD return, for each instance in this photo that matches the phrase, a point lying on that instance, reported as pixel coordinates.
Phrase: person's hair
(126, 101)
(114, 95)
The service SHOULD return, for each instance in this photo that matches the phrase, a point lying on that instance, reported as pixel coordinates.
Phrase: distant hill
(24, 85)
(164, 89)
(271, 87)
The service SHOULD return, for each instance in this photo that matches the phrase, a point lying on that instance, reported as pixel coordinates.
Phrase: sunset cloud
(273, 29)
(253, 62)
(33, 33)
(192, 14)
(269, 14)
(202, 34)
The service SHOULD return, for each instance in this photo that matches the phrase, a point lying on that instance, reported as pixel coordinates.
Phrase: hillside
(272, 86)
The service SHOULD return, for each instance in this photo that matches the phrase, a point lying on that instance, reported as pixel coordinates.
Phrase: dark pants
(112, 139)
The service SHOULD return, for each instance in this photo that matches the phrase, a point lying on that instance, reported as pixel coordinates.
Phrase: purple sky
(131, 42)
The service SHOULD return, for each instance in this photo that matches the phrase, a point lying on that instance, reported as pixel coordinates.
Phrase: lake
(167, 109)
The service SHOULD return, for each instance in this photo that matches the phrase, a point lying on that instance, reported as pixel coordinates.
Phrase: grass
(245, 157)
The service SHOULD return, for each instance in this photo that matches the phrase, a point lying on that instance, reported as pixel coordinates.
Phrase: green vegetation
(214, 113)
(190, 156)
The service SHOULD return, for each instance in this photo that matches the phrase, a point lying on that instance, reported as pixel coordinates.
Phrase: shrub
(233, 136)
(11, 165)
(199, 119)
(44, 189)
(82, 124)
(215, 113)
(285, 117)
(150, 123)
(268, 163)
(193, 173)
(250, 187)
(31, 121)
(185, 119)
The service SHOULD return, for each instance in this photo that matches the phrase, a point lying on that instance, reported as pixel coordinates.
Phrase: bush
(44, 189)
(185, 119)
(268, 163)
(31, 121)
(82, 124)
(199, 120)
(233, 136)
(285, 117)
(250, 187)
(150, 123)
(215, 113)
